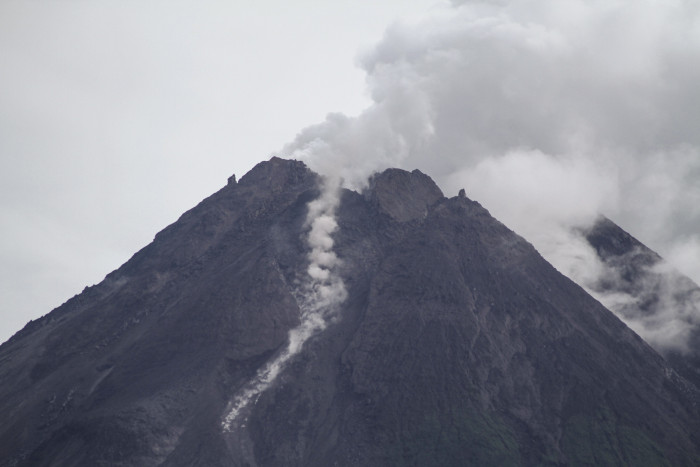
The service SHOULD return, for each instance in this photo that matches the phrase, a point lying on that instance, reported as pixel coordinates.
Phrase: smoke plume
(319, 297)
(547, 113)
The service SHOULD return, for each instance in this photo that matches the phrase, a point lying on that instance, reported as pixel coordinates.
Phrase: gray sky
(116, 117)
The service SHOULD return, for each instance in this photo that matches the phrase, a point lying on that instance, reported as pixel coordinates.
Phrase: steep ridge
(458, 344)
(139, 365)
(648, 291)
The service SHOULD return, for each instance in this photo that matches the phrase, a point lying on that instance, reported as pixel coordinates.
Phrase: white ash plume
(546, 114)
(319, 297)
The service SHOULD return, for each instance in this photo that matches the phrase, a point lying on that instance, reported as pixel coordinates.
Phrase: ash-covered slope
(457, 345)
(138, 369)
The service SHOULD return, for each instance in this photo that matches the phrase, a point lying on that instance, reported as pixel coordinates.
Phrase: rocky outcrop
(402, 195)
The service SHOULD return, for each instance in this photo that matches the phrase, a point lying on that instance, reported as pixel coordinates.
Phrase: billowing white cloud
(587, 105)
(548, 113)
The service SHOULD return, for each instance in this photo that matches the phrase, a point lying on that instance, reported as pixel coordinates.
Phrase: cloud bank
(548, 113)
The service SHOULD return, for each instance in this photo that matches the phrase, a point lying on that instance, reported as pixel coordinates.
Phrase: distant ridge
(654, 294)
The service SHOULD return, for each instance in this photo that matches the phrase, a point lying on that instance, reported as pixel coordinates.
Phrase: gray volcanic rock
(401, 195)
(458, 344)
(139, 366)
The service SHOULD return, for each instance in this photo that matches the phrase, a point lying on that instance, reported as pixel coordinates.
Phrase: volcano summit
(454, 343)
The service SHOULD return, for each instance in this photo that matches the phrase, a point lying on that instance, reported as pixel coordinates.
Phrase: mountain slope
(648, 293)
(458, 344)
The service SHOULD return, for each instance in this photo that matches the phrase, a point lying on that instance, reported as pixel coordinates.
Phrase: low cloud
(650, 295)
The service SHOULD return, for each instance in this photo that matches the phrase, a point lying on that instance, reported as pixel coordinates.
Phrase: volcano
(455, 343)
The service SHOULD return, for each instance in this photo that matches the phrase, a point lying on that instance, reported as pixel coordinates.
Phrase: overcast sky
(117, 116)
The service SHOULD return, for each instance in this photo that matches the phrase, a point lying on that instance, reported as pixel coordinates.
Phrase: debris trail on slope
(319, 297)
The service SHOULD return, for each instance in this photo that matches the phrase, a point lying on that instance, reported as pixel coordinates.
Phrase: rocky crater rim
(402, 195)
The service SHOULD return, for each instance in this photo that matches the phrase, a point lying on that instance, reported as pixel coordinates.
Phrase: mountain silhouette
(456, 344)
